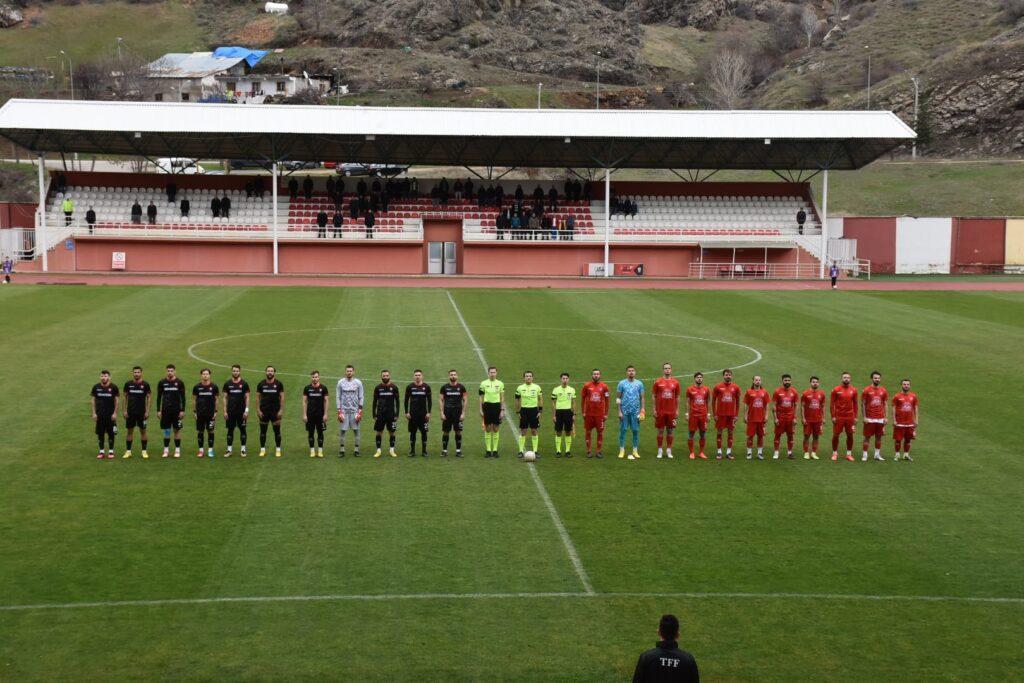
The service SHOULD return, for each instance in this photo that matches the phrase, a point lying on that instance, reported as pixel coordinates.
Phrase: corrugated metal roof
(545, 137)
(191, 65)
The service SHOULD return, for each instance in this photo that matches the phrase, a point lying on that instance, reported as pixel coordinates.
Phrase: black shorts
(452, 420)
(313, 421)
(382, 422)
(132, 421)
(418, 423)
(563, 420)
(170, 421)
(269, 414)
(105, 425)
(492, 414)
(529, 418)
(235, 420)
(205, 422)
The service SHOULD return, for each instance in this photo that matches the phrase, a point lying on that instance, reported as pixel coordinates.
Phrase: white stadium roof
(472, 137)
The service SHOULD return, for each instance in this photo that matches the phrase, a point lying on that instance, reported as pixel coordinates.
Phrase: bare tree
(124, 77)
(809, 23)
(728, 78)
(315, 13)
(837, 9)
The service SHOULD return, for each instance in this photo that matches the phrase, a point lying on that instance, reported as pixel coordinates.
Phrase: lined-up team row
(725, 402)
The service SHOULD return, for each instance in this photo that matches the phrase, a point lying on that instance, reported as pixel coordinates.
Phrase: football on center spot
(529, 456)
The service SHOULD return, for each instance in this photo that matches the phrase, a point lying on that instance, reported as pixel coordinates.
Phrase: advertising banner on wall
(117, 260)
(617, 269)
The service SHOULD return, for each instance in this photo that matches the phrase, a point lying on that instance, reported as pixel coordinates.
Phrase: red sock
(689, 442)
(814, 445)
(835, 443)
(719, 439)
(777, 441)
(669, 438)
(750, 441)
(600, 438)
(586, 435)
(906, 446)
(806, 440)
(703, 441)
(849, 441)
(730, 440)
(661, 438)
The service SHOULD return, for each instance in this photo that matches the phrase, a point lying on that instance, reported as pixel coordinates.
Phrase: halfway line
(555, 517)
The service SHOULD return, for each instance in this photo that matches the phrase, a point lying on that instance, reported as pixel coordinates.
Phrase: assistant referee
(492, 410)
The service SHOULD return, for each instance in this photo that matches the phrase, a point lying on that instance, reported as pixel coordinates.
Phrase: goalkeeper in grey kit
(349, 401)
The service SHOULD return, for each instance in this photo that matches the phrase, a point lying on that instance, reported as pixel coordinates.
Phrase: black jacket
(321, 219)
(801, 216)
(666, 663)
(185, 206)
(90, 216)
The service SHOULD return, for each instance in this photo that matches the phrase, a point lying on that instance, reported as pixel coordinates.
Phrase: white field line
(555, 517)
(853, 597)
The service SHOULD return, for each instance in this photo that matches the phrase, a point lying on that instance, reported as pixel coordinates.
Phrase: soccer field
(473, 569)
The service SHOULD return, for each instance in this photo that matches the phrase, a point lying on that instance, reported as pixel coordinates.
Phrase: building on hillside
(224, 75)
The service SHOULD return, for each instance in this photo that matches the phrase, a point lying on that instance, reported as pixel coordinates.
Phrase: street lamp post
(598, 80)
(539, 87)
(869, 76)
(71, 73)
(916, 81)
(120, 40)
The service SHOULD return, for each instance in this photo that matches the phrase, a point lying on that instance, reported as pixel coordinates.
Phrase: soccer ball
(530, 456)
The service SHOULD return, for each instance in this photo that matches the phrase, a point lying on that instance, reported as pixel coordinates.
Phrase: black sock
(458, 441)
(391, 439)
(309, 435)
(128, 445)
(200, 438)
(209, 438)
(378, 440)
(320, 436)
(423, 439)
(231, 436)
(263, 435)
(177, 443)
(277, 435)
(412, 442)
(100, 439)
(242, 434)
(144, 444)
(444, 440)
(167, 442)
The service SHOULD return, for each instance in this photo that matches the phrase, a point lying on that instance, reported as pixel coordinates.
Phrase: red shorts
(874, 429)
(844, 424)
(725, 422)
(785, 427)
(663, 421)
(698, 423)
(904, 433)
(593, 422)
(812, 429)
(755, 429)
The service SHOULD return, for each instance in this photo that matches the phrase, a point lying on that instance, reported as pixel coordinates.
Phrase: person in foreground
(665, 661)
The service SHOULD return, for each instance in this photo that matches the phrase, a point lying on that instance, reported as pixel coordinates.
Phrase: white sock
(878, 452)
(775, 454)
(750, 451)
(719, 451)
(728, 451)
(760, 451)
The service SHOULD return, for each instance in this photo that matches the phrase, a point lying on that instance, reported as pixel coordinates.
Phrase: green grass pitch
(788, 568)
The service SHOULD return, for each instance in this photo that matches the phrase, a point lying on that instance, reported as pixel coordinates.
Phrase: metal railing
(238, 231)
(773, 271)
(476, 233)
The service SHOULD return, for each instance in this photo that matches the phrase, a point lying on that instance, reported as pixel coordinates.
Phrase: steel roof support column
(41, 230)
(824, 225)
(607, 217)
(273, 194)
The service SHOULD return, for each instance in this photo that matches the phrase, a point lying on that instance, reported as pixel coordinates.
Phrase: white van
(179, 165)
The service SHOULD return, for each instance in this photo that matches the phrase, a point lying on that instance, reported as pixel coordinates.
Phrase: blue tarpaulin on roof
(251, 57)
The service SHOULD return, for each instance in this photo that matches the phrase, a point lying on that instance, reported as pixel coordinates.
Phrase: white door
(449, 258)
(435, 260)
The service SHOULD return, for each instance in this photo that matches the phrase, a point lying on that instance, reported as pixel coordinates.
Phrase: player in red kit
(725, 403)
(875, 402)
(904, 408)
(755, 413)
(784, 402)
(594, 397)
(812, 415)
(666, 407)
(698, 397)
(842, 407)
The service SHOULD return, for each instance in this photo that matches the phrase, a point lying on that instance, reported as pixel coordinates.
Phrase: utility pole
(120, 40)
(869, 76)
(916, 81)
(71, 73)
(539, 87)
(598, 80)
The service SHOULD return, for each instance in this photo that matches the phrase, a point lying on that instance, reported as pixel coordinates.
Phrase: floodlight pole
(41, 232)
(824, 224)
(913, 148)
(273, 172)
(607, 217)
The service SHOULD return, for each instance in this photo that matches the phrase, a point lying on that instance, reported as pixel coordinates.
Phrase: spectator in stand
(90, 219)
(567, 187)
(68, 207)
(570, 227)
(801, 218)
(534, 225)
(482, 197)
(257, 187)
(517, 226)
(361, 188)
(330, 188)
(538, 208)
(307, 187)
(321, 223)
(443, 190)
(215, 206)
(172, 192)
(249, 188)
(369, 221)
(337, 220)
(457, 189)
(62, 183)
(547, 225)
(502, 223)
(374, 201)
(552, 199)
(354, 207)
(633, 209)
(588, 190)
(666, 662)
(151, 213)
(538, 194)
(185, 207)
(414, 188)
(136, 212)
(376, 186)
(385, 201)
(293, 188)
(467, 188)
(225, 206)
(435, 195)
(8, 268)
(339, 193)
(519, 193)
(499, 195)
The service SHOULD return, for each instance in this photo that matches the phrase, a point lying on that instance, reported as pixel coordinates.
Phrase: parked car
(301, 165)
(247, 163)
(376, 170)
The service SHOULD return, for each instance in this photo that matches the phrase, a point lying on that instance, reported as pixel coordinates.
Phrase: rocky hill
(968, 55)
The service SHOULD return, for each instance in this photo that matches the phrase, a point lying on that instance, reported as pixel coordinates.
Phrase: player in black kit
(205, 410)
(137, 396)
(314, 413)
(170, 408)
(418, 402)
(103, 400)
(385, 411)
(453, 412)
(271, 393)
(236, 408)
